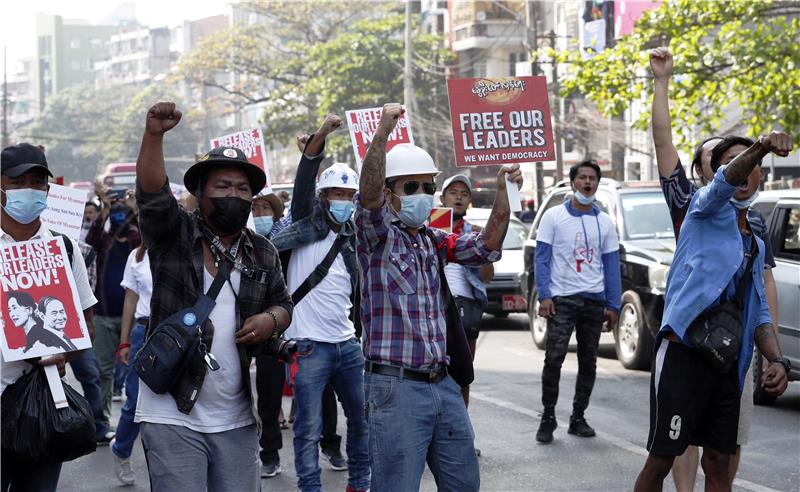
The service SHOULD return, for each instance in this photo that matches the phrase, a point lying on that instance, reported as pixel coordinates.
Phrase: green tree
(75, 129)
(744, 52)
(302, 60)
(83, 128)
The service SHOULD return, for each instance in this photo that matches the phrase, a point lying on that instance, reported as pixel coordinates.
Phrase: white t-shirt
(223, 404)
(457, 280)
(323, 314)
(579, 244)
(11, 371)
(137, 277)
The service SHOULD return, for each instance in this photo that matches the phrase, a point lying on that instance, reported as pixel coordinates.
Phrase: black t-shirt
(113, 295)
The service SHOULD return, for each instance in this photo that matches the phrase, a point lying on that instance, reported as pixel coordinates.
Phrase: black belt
(422, 376)
(143, 321)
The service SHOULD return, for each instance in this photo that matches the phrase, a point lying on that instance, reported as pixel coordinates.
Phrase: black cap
(21, 158)
(224, 157)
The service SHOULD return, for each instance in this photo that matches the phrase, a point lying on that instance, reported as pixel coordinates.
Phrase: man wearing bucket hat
(202, 433)
(318, 252)
(267, 211)
(414, 407)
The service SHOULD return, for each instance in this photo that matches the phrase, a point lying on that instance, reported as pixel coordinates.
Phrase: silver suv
(782, 211)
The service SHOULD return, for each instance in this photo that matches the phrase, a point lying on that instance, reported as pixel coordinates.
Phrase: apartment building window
(96, 43)
(44, 45)
(479, 69)
(75, 43)
(75, 65)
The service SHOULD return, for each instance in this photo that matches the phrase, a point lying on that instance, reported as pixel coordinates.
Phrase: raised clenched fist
(162, 117)
(779, 143)
(661, 63)
(330, 125)
(389, 116)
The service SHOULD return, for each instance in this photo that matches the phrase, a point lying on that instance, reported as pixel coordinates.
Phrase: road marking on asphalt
(614, 440)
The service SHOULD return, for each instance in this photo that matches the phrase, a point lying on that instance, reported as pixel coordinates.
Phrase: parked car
(783, 224)
(503, 291)
(647, 244)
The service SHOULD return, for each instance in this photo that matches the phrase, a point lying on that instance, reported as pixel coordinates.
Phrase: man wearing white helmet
(323, 276)
(414, 407)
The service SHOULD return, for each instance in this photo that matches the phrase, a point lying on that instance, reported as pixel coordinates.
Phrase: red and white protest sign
(500, 121)
(364, 122)
(251, 142)
(441, 218)
(40, 312)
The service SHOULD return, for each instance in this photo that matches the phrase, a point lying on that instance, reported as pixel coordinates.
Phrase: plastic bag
(35, 431)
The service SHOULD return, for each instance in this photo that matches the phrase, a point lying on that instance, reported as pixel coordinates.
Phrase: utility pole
(409, 97)
(5, 97)
(557, 119)
(532, 34)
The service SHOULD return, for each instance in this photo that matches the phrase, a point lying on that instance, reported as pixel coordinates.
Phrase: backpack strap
(67, 244)
(320, 271)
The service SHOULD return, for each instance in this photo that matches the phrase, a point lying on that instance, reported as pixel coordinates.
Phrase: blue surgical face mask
(25, 205)
(263, 224)
(742, 204)
(415, 209)
(341, 210)
(583, 199)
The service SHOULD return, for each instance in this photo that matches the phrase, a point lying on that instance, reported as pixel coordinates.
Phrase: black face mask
(228, 214)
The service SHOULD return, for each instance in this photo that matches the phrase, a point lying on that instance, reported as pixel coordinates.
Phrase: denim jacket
(473, 277)
(309, 224)
(708, 256)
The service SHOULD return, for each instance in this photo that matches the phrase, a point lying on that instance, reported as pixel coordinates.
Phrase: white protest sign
(40, 311)
(64, 212)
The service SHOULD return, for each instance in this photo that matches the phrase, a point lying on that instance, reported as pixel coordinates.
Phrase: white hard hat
(339, 175)
(407, 160)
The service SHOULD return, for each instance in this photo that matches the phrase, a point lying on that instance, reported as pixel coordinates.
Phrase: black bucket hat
(224, 157)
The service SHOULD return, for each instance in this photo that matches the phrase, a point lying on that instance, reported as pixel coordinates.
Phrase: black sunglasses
(411, 187)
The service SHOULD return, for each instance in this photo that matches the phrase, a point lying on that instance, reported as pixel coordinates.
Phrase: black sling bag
(717, 333)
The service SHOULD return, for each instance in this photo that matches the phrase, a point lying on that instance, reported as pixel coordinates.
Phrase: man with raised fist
(202, 433)
(415, 411)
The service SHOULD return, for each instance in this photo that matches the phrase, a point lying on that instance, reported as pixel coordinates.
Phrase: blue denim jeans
(120, 374)
(412, 422)
(127, 429)
(342, 365)
(87, 372)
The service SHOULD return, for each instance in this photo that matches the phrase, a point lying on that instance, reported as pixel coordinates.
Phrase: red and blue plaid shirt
(402, 308)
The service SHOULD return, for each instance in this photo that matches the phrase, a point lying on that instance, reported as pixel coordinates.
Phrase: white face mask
(742, 204)
(583, 199)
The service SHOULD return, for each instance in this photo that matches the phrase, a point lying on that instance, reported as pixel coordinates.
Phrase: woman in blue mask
(267, 211)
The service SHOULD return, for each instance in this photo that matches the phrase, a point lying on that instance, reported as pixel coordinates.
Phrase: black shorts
(471, 313)
(691, 403)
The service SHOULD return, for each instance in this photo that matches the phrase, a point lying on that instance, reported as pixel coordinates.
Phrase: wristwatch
(787, 365)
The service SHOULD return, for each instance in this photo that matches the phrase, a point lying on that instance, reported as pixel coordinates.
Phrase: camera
(281, 349)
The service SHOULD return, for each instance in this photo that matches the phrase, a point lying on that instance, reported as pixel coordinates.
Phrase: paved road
(505, 411)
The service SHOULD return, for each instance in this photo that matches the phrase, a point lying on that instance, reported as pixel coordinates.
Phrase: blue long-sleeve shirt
(708, 259)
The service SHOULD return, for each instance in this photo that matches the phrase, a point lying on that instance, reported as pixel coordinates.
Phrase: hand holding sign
(162, 117)
(510, 179)
(389, 117)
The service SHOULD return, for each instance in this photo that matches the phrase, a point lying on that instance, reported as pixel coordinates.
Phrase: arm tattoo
(763, 332)
(496, 227)
(373, 172)
(740, 168)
